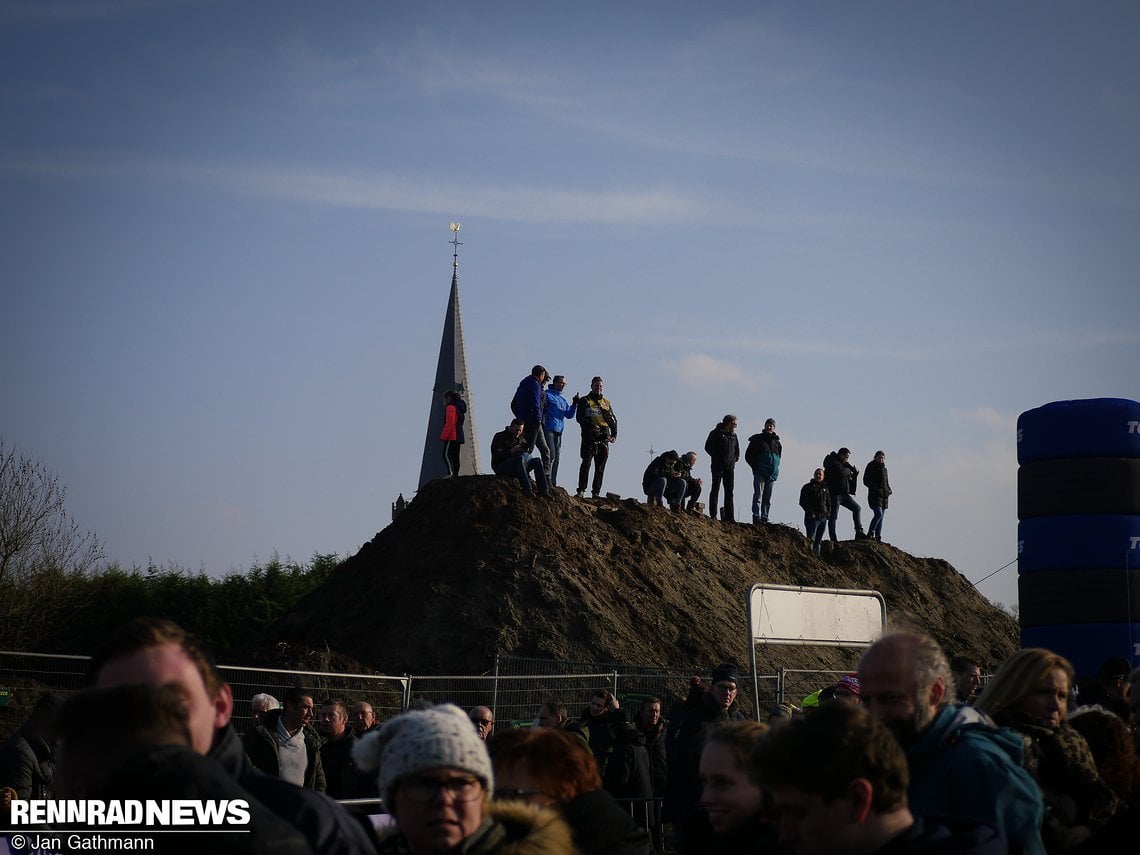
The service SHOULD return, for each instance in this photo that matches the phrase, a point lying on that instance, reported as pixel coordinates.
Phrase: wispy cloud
(990, 418)
(701, 371)
(386, 191)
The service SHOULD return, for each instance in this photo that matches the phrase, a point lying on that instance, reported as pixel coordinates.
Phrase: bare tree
(40, 544)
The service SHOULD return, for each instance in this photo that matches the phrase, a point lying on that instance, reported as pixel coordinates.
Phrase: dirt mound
(472, 568)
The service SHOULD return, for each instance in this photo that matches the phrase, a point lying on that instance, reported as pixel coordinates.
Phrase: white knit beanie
(418, 740)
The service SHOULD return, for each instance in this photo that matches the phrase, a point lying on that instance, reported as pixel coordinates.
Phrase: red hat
(851, 683)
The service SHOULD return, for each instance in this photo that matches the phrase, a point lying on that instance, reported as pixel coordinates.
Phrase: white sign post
(825, 617)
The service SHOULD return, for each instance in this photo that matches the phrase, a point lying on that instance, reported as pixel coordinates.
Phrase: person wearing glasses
(484, 721)
(436, 781)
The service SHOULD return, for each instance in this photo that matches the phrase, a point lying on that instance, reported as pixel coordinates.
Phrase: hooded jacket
(963, 765)
(723, 447)
(839, 474)
(529, 400)
(763, 454)
(329, 827)
(877, 483)
(815, 499)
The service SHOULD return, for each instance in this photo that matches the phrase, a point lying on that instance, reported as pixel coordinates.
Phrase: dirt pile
(472, 568)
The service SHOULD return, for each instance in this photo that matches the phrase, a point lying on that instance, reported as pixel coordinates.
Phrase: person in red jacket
(454, 411)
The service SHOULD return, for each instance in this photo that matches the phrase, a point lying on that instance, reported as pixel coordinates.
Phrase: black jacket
(342, 780)
(815, 499)
(178, 772)
(505, 445)
(658, 765)
(330, 828)
(839, 475)
(600, 825)
(877, 484)
(662, 466)
(628, 774)
(723, 447)
(27, 765)
(684, 791)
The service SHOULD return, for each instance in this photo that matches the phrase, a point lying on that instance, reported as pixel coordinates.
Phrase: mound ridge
(473, 568)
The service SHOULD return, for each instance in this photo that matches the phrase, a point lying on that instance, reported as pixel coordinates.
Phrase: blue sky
(226, 262)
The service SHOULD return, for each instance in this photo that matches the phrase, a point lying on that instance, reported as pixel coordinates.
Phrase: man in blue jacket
(961, 765)
(528, 405)
(858, 805)
(553, 420)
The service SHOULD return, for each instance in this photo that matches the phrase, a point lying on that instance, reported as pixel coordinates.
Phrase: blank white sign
(831, 617)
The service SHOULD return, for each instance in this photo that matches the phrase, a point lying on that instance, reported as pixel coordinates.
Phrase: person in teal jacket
(763, 455)
(961, 764)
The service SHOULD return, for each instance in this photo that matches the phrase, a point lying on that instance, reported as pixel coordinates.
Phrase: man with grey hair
(484, 722)
(260, 704)
(363, 719)
(692, 493)
(961, 765)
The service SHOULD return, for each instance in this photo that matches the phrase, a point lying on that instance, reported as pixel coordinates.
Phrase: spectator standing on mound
(840, 476)
(815, 499)
(878, 491)
(723, 449)
(454, 413)
(554, 416)
(599, 428)
(763, 455)
(528, 405)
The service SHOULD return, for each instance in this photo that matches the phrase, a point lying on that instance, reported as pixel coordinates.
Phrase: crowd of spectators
(910, 753)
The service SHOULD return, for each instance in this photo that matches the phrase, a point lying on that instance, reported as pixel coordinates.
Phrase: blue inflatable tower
(1078, 535)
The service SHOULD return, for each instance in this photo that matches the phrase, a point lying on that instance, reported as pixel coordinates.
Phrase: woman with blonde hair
(1030, 693)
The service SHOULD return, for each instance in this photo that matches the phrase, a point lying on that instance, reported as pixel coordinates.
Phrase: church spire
(450, 373)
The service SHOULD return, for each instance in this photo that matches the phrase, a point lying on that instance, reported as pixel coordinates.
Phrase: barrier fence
(514, 691)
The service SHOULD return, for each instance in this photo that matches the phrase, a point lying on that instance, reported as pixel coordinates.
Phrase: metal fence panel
(514, 692)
